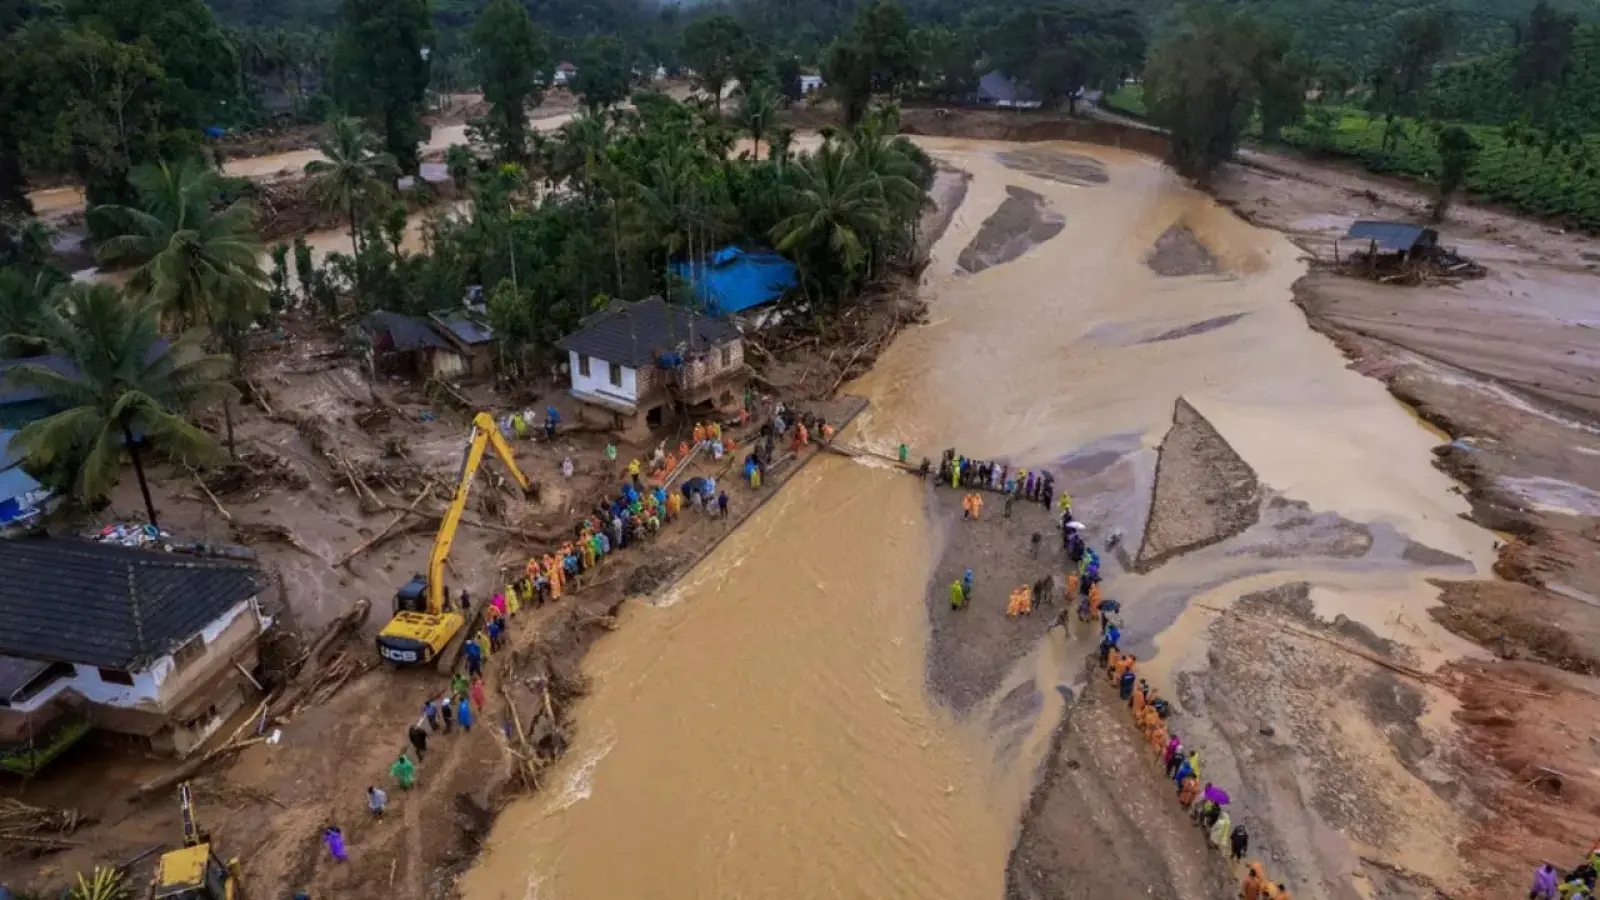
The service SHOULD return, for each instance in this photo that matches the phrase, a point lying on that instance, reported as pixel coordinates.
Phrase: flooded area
(767, 724)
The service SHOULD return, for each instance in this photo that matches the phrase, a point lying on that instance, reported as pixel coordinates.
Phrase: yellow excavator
(195, 872)
(423, 623)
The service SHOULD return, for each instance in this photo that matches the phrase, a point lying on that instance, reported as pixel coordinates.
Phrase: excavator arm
(484, 434)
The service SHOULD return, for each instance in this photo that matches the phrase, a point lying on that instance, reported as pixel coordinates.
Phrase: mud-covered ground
(1022, 222)
(291, 500)
(972, 649)
(1506, 367)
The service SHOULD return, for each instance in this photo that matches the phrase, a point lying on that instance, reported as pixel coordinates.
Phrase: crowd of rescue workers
(646, 501)
(1205, 805)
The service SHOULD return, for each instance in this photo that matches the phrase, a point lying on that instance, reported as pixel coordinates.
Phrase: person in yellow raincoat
(513, 599)
(557, 576)
(955, 472)
(674, 503)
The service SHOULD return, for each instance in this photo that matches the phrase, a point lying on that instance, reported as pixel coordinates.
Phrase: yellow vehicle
(423, 623)
(195, 872)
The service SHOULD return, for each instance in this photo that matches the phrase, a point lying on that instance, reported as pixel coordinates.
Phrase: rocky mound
(1204, 491)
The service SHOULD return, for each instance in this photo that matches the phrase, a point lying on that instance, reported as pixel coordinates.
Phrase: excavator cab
(195, 872)
(423, 625)
(413, 596)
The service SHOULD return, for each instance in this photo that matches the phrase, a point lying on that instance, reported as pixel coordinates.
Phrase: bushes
(1556, 180)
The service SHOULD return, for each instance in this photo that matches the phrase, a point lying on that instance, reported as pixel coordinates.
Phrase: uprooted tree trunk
(306, 678)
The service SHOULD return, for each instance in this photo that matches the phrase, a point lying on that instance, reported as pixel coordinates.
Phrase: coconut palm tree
(839, 209)
(354, 173)
(758, 112)
(24, 298)
(126, 390)
(198, 264)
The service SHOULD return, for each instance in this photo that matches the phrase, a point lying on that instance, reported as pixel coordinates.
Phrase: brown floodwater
(764, 729)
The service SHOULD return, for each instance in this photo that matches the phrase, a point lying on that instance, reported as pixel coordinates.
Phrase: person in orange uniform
(699, 434)
(1250, 889)
(1187, 791)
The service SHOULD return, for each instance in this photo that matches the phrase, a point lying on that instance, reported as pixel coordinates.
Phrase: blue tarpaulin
(734, 280)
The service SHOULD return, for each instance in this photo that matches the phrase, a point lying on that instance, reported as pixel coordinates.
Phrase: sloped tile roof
(635, 334)
(66, 600)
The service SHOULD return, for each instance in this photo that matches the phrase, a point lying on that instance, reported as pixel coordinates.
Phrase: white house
(639, 363)
(810, 84)
(154, 645)
(565, 72)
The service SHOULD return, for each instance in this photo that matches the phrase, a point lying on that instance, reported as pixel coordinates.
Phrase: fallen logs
(193, 767)
(309, 677)
(18, 818)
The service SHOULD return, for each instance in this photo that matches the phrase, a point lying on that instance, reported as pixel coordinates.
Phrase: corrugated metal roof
(1396, 236)
(465, 328)
(9, 456)
(15, 483)
(405, 333)
(10, 393)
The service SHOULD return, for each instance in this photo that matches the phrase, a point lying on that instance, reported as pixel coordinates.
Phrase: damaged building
(155, 646)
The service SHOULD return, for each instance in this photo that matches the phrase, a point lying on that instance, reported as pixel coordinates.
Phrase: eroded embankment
(1501, 368)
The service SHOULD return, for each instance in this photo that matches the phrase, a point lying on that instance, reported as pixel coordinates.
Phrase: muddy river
(764, 728)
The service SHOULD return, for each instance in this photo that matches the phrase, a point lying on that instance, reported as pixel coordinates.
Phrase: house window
(583, 366)
(616, 374)
(115, 676)
(726, 353)
(192, 649)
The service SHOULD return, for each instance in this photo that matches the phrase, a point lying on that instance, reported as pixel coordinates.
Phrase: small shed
(469, 332)
(999, 89)
(733, 280)
(1394, 237)
(402, 343)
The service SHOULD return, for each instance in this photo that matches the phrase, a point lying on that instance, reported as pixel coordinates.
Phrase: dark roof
(405, 333)
(9, 456)
(1396, 236)
(464, 328)
(10, 393)
(14, 483)
(635, 334)
(67, 600)
(1001, 88)
(16, 673)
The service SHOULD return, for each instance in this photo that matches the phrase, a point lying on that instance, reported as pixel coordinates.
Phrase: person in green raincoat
(458, 683)
(404, 771)
(958, 595)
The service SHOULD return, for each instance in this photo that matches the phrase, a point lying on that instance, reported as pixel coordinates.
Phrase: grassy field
(1563, 185)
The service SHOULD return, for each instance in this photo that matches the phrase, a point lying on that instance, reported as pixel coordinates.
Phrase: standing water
(764, 729)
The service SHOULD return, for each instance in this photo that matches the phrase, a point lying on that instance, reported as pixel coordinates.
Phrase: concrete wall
(175, 706)
(598, 381)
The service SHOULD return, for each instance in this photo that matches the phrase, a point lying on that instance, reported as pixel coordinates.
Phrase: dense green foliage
(1204, 79)
(132, 389)
(381, 63)
(612, 200)
(513, 55)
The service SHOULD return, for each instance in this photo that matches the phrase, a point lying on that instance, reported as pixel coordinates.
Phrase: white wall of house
(146, 689)
(599, 381)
